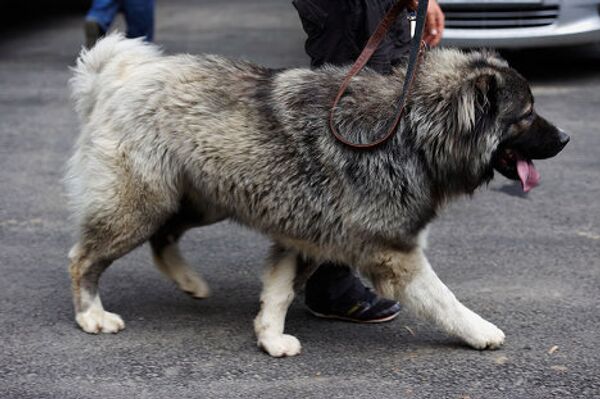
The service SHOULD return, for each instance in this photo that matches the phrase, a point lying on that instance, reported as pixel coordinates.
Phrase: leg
(409, 278)
(139, 15)
(335, 292)
(111, 231)
(85, 272)
(103, 12)
(305, 268)
(168, 259)
(103, 240)
(276, 297)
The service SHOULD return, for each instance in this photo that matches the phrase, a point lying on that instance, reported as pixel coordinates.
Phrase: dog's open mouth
(514, 165)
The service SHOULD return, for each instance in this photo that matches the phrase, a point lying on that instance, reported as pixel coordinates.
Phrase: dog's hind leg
(85, 270)
(276, 297)
(409, 278)
(117, 226)
(169, 261)
(101, 243)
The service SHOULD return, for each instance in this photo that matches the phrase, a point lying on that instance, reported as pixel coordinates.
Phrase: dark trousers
(337, 32)
(139, 15)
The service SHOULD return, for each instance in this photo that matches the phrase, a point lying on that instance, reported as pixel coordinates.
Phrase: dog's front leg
(276, 297)
(409, 278)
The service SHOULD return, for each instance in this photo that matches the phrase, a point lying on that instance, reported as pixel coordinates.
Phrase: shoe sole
(372, 321)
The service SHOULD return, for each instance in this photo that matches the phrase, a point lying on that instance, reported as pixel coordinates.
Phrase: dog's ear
(485, 88)
(476, 102)
(485, 101)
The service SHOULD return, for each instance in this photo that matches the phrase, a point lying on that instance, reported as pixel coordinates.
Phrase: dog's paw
(95, 321)
(193, 285)
(280, 345)
(484, 335)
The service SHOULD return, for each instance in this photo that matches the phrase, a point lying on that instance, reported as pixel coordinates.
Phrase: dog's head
(524, 135)
(473, 114)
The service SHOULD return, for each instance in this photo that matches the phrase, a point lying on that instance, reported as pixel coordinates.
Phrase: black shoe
(93, 32)
(352, 301)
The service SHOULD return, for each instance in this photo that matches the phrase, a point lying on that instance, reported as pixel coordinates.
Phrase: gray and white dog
(173, 142)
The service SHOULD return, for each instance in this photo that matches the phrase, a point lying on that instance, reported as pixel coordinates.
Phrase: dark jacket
(339, 29)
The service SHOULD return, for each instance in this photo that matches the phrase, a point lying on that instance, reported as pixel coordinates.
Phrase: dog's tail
(92, 63)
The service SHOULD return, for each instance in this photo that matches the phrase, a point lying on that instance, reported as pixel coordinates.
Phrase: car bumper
(577, 24)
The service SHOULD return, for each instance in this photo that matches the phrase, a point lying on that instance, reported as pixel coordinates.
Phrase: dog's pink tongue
(529, 176)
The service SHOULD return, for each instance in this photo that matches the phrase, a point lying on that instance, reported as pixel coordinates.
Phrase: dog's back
(139, 111)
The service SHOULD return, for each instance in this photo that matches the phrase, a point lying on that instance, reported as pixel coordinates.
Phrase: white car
(520, 23)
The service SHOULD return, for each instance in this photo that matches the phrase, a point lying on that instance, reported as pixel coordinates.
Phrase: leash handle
(373, 43)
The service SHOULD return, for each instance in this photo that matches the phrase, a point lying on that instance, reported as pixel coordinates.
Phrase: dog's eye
(528, 116)
(525, 118)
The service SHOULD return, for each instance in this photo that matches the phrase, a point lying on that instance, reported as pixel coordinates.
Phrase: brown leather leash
(373, 43)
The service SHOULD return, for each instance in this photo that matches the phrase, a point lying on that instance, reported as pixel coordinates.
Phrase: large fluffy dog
(169, 143)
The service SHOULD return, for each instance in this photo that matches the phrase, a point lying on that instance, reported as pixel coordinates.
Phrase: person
(139, 16)
(337, 31)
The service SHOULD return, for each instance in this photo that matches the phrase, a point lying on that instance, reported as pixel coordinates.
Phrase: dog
(169, 143)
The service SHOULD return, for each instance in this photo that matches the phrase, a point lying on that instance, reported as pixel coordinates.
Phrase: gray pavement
(530, 263)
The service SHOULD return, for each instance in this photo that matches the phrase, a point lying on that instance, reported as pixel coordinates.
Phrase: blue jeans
(139, 15)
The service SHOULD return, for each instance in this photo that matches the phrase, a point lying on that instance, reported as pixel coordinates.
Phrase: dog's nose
(563, 138)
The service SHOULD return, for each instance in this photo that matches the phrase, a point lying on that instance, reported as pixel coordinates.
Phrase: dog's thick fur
(170, 143)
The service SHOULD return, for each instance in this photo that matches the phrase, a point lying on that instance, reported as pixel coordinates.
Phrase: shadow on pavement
(513, 189)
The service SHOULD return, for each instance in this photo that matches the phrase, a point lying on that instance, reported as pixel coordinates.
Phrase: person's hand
(434, 22)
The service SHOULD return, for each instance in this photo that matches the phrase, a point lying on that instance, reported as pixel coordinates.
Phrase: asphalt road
(529, 263)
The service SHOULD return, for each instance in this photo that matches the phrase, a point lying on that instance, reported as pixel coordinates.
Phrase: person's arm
(434, 22)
